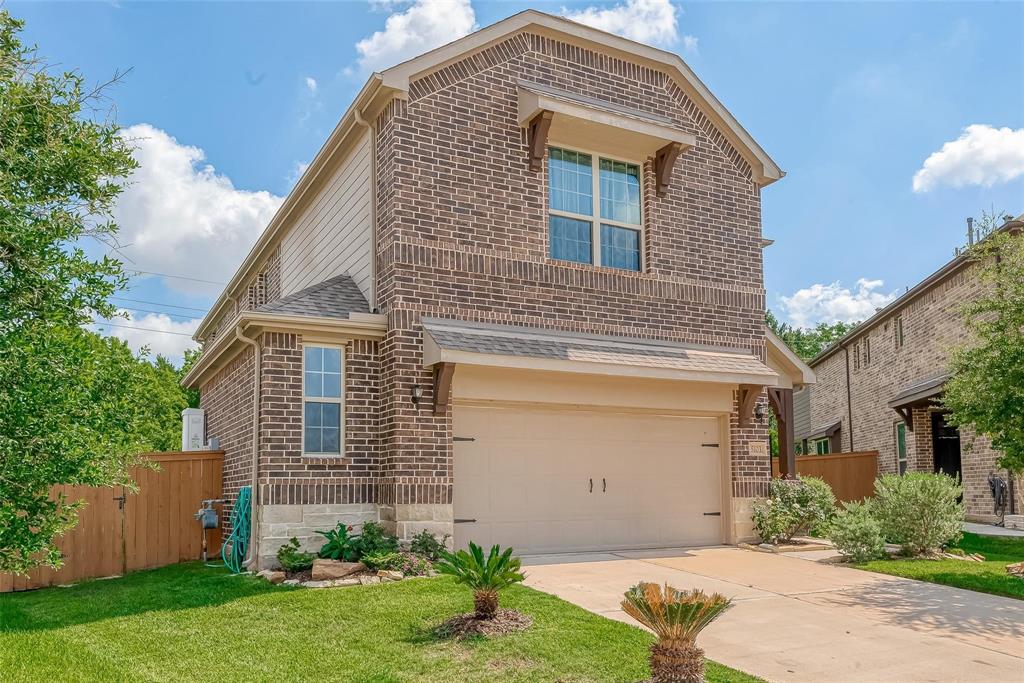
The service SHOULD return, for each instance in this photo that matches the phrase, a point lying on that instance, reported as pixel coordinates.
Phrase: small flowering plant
(792, 508)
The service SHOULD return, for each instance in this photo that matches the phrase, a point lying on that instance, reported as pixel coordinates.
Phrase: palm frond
(674, 615)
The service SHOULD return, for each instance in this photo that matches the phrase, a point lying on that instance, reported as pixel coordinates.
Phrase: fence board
(155, 528)
(851, 475)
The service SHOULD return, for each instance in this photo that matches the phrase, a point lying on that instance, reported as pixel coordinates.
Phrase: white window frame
(896, 443)
(595, 219)
(340, 401)
(828, 446)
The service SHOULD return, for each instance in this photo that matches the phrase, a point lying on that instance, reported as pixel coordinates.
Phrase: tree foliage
(986, 389)
(808, 342)
(75, 408)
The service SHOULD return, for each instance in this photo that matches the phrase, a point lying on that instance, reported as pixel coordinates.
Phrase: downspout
(253, 513)
(849, 399)
(358, 116)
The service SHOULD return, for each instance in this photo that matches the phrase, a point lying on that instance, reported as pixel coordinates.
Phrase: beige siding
(333, 234)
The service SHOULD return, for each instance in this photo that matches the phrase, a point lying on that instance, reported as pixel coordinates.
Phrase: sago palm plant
(676, 617)
(486, 576)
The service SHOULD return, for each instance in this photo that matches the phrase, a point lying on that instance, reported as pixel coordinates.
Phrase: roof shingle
(332, 298)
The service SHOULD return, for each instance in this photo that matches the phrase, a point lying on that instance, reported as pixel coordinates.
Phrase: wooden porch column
(782, 405)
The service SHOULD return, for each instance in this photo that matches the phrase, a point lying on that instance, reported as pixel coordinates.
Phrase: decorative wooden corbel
(907, 413)
(748, 399)
(664, 161)
(537, 137)
(443, 373)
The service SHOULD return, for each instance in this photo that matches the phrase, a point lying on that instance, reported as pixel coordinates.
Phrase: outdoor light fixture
(759, 412)
(417, 394)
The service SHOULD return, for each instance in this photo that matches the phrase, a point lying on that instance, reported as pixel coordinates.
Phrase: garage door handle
(712, 514)
(591, 484)
(464, 521)
(604, 485)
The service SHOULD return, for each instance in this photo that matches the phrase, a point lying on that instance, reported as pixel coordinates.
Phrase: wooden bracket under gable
(907, 413)
(537, 137)
(749, 394)
(443, 373)
(664, 162)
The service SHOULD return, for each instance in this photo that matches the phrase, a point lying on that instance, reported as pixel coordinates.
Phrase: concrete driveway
(797, 620)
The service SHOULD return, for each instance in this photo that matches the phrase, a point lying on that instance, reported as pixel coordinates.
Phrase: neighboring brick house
(517, 297)
(878, 388)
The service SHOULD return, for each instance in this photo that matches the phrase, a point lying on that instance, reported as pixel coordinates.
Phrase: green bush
(792, 508)
(384, 560)
(920, 511)
(374, 540)
(340, 544)
(292, 559)
(425, 544)
(856, 533)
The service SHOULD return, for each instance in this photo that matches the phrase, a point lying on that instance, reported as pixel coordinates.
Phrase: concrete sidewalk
(795, 620)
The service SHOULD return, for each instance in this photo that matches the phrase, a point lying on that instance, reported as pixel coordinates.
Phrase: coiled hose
(234, 548)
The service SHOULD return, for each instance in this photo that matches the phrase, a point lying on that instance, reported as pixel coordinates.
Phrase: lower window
(901, 447)
(620, 247)
(822, 447)
(322, 400)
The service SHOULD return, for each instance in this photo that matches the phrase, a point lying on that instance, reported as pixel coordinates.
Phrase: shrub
(793, 507)
(425, 544)
(340, 544)
(920, 511)
(676, 617)
(374, 540)
(292, 559)
(384, 560)
(486, 576)
(856, 533)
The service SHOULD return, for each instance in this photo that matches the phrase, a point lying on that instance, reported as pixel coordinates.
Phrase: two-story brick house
(517, 297)
(879, 388)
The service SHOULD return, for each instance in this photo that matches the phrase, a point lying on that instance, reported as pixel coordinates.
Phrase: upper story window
(322, 400)
(898, 332)
(594, 209)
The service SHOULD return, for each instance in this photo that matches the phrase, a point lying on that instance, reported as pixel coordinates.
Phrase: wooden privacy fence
(119, 531)
(851, 475)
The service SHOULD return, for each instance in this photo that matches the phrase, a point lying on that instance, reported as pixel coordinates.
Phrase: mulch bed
(504, 622)
(304, 575)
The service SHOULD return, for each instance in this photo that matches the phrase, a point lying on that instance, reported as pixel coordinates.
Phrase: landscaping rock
(390, 575)
(292, 582)
(274, 577)
(327, 570)
(341, 583)
(316, 584)
(369, 580)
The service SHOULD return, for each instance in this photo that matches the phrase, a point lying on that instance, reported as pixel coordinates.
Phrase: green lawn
(987, 577)
(190, 622)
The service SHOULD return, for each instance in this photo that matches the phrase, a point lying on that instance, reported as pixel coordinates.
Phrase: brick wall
(931, 328)
(463, 234)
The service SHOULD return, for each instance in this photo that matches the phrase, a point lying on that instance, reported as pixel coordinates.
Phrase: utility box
(193, 429)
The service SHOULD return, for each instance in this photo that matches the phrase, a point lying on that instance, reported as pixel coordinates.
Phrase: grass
(985, 577)
(191, 622)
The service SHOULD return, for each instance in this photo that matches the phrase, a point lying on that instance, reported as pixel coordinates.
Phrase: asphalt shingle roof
(333, 298)
(507, 340)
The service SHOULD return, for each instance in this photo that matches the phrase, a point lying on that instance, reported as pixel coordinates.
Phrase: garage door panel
(526, 479)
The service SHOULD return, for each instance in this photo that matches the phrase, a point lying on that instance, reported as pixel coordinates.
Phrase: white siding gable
(334, 233)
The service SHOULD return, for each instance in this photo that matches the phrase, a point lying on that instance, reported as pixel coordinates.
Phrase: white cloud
(297, 171)
(647, 21)
(311, 84)
(422, 26)
(179, 216)
(982, 155)
(163, 335)
(834, 303)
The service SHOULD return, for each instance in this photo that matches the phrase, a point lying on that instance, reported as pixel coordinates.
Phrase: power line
(167, 313)
(132, 327)
(159, 303)
(177, 277)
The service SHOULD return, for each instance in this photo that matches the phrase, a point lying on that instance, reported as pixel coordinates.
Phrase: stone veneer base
(279, 523)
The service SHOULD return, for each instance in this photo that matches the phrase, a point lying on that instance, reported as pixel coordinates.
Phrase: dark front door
(945, 445)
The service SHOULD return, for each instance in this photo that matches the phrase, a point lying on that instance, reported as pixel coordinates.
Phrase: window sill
(590, 266)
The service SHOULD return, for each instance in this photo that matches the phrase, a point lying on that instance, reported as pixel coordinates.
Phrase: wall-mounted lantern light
(417, 394)
(759, 412)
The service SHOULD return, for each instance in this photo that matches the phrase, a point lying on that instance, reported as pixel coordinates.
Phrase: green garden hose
(234, 549)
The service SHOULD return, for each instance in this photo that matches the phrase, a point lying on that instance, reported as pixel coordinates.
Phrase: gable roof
(381, 87)
(337, 297)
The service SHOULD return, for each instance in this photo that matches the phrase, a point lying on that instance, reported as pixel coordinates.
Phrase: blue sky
(228, 100)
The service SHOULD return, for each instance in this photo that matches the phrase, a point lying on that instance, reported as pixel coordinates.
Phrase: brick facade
(462, 233)
(880, 368)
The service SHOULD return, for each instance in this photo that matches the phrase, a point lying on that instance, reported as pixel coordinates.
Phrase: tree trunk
(683, 664)
(485, 603)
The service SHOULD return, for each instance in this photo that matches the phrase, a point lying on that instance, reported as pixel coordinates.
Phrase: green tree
(986, 389)
(69, 399)
(808, 342)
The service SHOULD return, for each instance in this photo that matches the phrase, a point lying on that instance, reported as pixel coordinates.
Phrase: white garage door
(547, 480)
